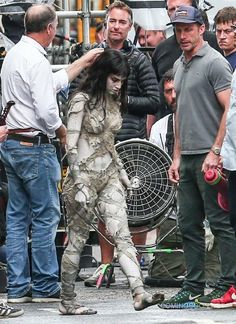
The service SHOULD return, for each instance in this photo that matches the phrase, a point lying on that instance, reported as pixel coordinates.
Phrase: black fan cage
(147, 167)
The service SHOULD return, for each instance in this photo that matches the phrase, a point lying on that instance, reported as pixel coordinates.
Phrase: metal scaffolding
(11, 7)
(85, 15)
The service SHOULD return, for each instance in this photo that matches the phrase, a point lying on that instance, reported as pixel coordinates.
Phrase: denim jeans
(33, 173)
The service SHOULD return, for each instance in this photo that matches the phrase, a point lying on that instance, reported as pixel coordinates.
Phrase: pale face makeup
(114, 84)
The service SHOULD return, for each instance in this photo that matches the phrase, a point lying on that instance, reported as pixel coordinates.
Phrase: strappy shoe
(72, 307)
(103, 275)
(145, 300)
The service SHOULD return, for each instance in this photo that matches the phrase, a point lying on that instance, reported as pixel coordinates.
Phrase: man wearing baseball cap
(187, 15)
(202, 83)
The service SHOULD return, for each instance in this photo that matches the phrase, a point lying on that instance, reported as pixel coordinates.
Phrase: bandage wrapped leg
(131, 269)
(79, 216)
(70, 263)
(79, 219)
(113, 208)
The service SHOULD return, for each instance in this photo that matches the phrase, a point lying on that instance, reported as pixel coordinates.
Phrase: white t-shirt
(159, 131)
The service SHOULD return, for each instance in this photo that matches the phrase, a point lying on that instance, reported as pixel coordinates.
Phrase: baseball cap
(186, 15)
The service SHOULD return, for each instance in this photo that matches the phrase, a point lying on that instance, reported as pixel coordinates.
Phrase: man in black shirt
(168, 51)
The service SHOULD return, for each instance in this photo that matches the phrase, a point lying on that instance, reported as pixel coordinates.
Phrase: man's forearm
(221, 132)
(176, 151)
(224, 99)
(61, 133)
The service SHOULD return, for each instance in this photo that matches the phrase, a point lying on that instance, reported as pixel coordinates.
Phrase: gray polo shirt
(196, 83)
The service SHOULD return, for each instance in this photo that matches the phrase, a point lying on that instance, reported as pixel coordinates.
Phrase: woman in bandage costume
(96, 178)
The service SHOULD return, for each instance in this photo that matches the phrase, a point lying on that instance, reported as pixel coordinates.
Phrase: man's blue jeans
(33, 173)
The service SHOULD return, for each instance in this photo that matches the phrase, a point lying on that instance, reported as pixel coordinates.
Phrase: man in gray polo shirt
(202, 83)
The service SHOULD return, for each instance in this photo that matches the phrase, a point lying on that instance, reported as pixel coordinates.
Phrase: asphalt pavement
(114, 306)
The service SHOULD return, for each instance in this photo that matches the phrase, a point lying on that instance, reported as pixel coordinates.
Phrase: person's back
(23, 69)
(28, 153)
(20, 70)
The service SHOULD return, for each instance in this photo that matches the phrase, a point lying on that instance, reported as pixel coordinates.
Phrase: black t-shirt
(13, 26)
(232, 60)
(168, 51)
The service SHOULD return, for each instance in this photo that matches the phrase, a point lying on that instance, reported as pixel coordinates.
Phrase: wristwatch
(216, 150)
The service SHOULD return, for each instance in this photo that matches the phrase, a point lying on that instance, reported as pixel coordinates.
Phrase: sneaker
(226, 301)
(7, 311)
(206, 300)
(92, 281)
(27, 298)
(55, 298)
(72, 307)
(182, 300)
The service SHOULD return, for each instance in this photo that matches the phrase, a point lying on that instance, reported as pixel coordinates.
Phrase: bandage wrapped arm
(125, 179)
(75, 118)
(122, 173)
(74, 122)
(72, 158)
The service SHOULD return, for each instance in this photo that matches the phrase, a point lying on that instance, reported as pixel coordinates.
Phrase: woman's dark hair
(109, 62)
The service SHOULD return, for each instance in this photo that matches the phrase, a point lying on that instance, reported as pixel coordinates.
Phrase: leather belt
(38, 139)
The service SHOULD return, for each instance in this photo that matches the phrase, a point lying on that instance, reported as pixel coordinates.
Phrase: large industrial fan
(152, 194)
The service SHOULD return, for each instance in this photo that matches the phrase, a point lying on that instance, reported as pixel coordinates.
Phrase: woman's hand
(125, 181)
(82, 196)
